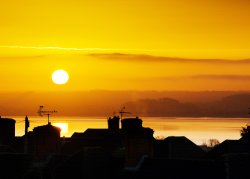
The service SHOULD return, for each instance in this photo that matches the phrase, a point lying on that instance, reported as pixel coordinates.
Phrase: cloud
(151, 58)
(204, 77)
(190, 77)
(7, 51)
(222, 77)
(75, 49)
(136, 55)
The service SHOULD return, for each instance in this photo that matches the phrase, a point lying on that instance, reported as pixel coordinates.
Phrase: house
(229, 147)
(46, 140)
(177, 147)
(92, 138)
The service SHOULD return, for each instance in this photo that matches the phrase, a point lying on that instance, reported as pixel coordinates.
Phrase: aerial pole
(123, 112)
(41, 112)
(27, 124)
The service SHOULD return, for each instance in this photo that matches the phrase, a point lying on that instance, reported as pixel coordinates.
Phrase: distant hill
(161, 107)
(234, 105)
(141, 103)
(230, 106)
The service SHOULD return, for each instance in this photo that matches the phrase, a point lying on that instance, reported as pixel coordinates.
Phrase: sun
(60, 77)
(62, 125)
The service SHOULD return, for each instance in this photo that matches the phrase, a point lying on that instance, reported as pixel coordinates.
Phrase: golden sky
(124, 45)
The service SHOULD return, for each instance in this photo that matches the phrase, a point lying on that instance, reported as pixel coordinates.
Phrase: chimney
(137, 140)
(113, 124)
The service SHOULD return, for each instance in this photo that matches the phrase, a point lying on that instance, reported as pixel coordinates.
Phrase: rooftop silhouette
(127, 152)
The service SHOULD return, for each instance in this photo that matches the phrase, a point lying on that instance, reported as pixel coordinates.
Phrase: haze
(151, 45)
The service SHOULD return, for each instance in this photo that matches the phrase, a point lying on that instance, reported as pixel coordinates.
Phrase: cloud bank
(151, 58)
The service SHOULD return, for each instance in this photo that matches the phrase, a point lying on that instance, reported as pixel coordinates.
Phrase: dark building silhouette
(229, 147)
(137, 140)
(7, 131)
(14, 165)
(108, 138)
(46, 141)
(113, 124)
(132, 141)
(175, 147)
(88, 163)
(6, 149)
(236, 165)
(129, 152)
(161, 168)
(105, 138)
(131, 124)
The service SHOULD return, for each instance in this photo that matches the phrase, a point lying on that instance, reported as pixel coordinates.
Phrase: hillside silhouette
(230, 106)
(144, 103)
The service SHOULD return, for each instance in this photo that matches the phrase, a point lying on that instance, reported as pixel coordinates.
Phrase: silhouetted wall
(46, 141)
(113, 124)
(138, 141)
(129, 124)
(7, 131)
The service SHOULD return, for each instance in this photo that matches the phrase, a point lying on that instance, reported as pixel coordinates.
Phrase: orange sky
(125, 45)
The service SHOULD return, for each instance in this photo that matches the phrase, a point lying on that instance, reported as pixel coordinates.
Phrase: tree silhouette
(245, 132)
(210, 143)
(213, 142)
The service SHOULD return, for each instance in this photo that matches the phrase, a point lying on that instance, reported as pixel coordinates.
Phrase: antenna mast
(123, 112)
(41, 112)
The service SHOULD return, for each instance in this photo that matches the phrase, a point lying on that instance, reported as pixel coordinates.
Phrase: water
(198, 130)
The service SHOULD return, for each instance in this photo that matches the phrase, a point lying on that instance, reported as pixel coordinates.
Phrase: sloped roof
(7, 120)
(90, 133)
(46, 127)
(178, 147)
(229, 146)
(92, 137)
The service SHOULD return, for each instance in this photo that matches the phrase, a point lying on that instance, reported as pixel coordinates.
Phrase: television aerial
(42, 112)
(123, 112)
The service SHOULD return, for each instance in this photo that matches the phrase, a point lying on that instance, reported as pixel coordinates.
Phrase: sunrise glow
(62, 126)
(142, 45)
